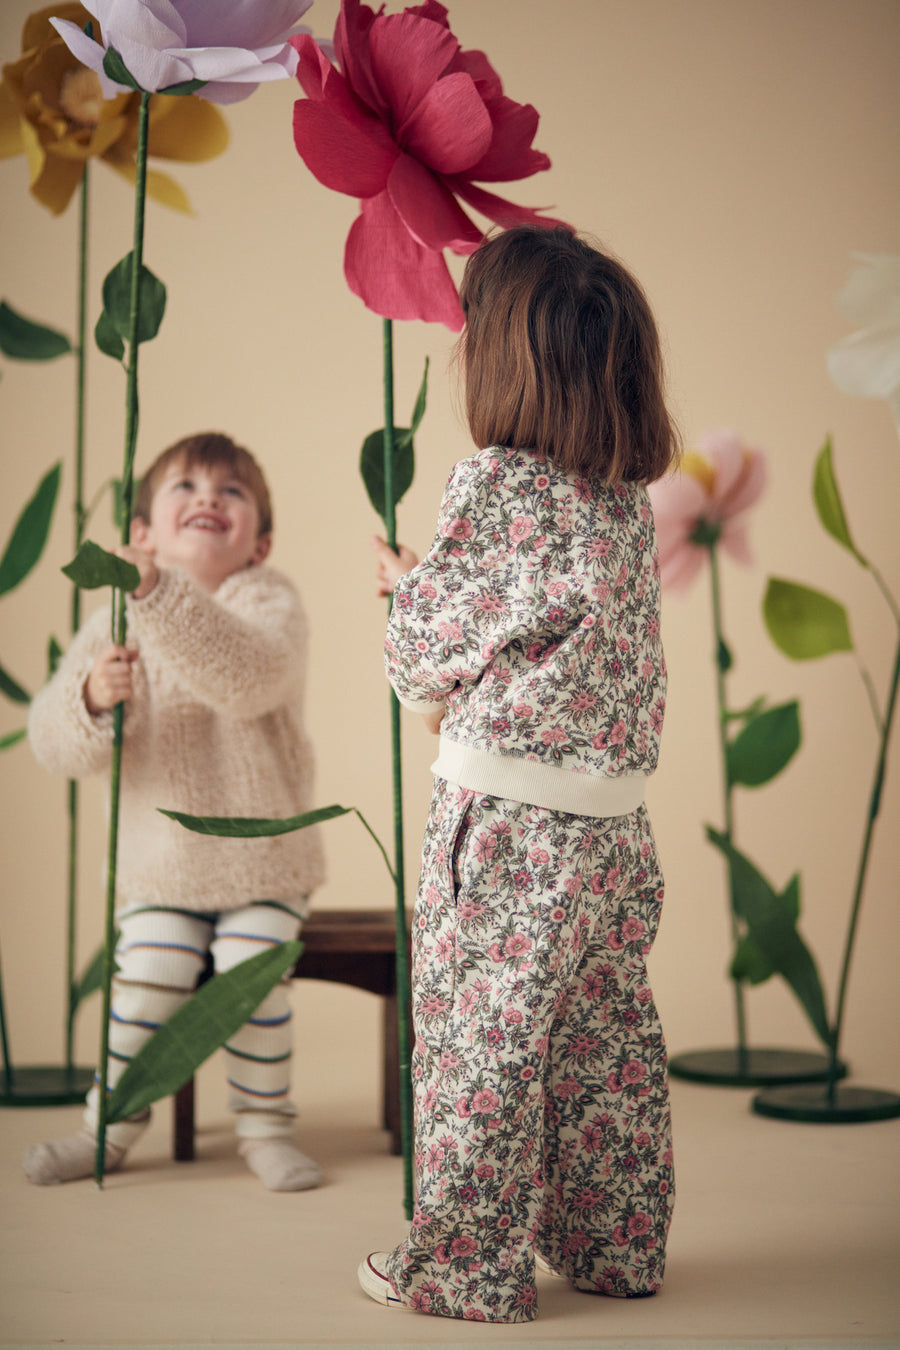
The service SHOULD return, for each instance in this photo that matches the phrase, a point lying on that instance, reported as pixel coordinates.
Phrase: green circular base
(850, 1106)
(755, 1068)
(45, 1085)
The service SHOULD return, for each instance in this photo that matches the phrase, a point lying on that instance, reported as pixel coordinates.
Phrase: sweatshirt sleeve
(63, 735)
(239, 651)
(468, 598)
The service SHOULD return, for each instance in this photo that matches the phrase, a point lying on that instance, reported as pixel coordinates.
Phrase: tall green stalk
(390, 525)
(75, 603)
(119, 620)
(874, 808)
(723, 662)
(7, 1062)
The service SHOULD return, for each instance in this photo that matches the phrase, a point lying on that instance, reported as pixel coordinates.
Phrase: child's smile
(205, 521)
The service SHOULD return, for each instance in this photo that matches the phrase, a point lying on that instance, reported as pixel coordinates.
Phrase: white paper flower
(867, 363)
(233, 45)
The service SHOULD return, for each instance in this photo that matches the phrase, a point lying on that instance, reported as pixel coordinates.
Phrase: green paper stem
(7, 1062)
(72, 798)
(874, 808)
(131, 422)
(727, 788)
(390, 525)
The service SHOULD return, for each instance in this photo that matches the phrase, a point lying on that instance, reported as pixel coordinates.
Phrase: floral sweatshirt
(535, 618)
(214, 728)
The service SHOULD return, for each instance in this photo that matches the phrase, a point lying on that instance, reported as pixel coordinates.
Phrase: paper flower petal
(450, 130)
(395, 276)
(341, 156)
(445, 121)
(427, 209)
(168, 42)
(407, 58)
(867, 363)
(185, 129)
(707, 499)
(735, 541)
(871, 294)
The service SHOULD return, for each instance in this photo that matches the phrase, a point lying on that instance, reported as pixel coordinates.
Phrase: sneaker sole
(376, 1285)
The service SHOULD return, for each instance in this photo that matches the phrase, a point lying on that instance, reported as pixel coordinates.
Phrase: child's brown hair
(206, 448)
(561, 355)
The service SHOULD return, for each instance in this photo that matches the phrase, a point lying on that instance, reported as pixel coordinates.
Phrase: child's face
(205, 521)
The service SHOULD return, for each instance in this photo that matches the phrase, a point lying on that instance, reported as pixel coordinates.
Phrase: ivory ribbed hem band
(528, 780)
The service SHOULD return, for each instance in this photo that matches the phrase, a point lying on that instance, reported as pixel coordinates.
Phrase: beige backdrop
(734, 155)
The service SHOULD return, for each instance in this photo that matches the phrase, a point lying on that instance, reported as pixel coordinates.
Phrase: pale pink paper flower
(704, 504)
(233, 45)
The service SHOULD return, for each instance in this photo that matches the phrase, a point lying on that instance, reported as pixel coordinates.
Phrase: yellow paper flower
(52, 110)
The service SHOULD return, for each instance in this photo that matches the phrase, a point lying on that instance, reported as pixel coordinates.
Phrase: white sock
(67, 1159)
(279, 1165)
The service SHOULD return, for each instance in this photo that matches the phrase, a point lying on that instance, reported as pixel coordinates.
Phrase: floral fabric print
(539, 1067)
(536, 615)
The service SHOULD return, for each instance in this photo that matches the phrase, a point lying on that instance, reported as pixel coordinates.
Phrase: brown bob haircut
(209, 449)
(561, 355)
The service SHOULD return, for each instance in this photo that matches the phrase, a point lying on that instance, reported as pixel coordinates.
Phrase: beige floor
(785, 1236)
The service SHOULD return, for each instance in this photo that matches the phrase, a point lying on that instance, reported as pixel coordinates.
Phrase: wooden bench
(345, 946)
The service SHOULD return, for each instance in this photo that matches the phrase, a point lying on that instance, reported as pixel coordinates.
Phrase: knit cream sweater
(214, 728)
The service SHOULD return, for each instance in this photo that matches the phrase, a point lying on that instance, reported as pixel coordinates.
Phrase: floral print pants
(539, 1069)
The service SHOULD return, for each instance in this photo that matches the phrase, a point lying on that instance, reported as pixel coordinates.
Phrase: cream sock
(67, 1159)
(279, 1165)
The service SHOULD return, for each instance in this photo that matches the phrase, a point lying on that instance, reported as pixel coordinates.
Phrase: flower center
(80, 96)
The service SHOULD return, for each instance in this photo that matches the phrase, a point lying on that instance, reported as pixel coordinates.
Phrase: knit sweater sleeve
(63, 735)
(239, 651)
(464, 602)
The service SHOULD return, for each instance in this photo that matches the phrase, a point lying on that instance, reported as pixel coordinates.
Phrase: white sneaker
(543, 1264)
(373, 1280)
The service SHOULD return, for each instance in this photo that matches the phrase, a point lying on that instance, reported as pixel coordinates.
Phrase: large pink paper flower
(232, 45)
(704, 506)
(408, 124)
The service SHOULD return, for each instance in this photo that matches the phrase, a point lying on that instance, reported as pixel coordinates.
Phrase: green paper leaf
(114, 68)
(764, 746)
(54, 655)
(772, 925)
(91, 979)
(12, 689)
(790, 897)
(371, 457)
(12, 738)
(25, 340)
(185, 87)
(93, 567)
(107, 337)
(724, 659)
(371, 466)
(805, 623)
(253, 827)
(744, 714)
(29, 535)
(419, 409)
(830, 507)
(749, 964)
(117, 300)
(217, 1010)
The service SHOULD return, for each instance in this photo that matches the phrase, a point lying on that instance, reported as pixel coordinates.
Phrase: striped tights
(160, 955)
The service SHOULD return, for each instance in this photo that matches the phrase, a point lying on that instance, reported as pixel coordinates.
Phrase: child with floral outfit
(211, 676)
(529, 637)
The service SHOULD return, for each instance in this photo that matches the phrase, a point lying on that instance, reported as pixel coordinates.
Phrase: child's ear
(261, 552)
(140, 535)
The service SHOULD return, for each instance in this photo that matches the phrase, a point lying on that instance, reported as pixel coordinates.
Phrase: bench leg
(183, 1133)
